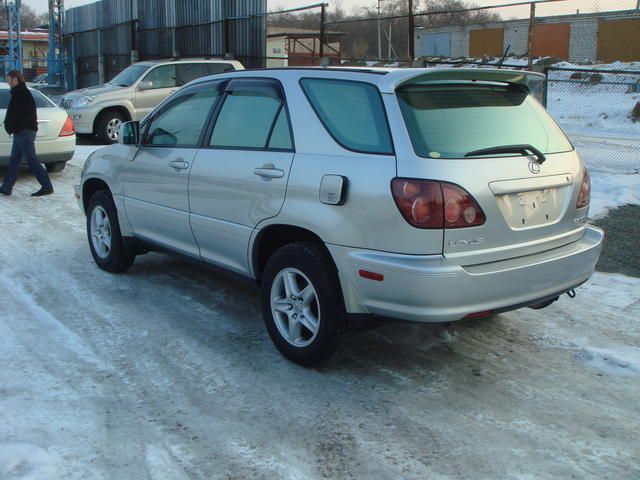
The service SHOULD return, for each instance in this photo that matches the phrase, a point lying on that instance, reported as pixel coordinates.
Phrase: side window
(352, 112)
(252, 116)
(162, 77)
(182, 120)
(281, 135)
(191, 71)
(213, 68)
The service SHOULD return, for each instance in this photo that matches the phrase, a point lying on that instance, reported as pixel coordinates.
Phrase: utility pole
(379, 37)
(411, 31)
(323, 20)
(12, 10)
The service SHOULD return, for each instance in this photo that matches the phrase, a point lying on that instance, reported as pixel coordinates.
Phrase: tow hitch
(571, 293)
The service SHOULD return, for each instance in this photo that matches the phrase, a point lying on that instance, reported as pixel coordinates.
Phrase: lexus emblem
(534, 167)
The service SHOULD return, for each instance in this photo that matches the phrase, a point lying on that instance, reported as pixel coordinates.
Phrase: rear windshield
(40, 99)
(451, 120)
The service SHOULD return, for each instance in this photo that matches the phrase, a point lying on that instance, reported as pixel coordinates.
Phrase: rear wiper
(524, 149)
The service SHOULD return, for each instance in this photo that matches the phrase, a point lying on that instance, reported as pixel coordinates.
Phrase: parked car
(134, 92)
(56, 137)
(421, 195)
(38, 81)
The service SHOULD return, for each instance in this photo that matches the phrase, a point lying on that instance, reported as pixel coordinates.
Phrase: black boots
(43, 191)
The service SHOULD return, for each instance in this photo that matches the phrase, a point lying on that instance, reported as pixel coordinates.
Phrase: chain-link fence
(600, 112)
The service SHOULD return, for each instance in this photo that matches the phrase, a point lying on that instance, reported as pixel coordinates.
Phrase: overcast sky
(566, 6)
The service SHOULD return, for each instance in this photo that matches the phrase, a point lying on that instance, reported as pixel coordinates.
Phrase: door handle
(179, 164)
(268, 171)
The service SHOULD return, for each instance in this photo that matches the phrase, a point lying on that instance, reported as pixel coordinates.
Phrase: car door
(155, 86)
(156, 179)
(239, 177)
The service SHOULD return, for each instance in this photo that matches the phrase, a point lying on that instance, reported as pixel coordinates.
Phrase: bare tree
(29, 18)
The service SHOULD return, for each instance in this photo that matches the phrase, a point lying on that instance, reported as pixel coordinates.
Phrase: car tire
(107, 125)
(55, 167)
(302, 303)
(103, 232)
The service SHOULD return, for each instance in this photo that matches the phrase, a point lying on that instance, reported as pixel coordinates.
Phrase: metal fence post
(545, 86)
(100, 59)
(411, 29)
(532, 21)
(225, 28)
(323, 19)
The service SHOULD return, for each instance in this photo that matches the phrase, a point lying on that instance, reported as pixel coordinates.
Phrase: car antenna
(506, 52)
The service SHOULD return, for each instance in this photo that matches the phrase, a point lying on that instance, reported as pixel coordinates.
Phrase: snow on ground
(167, 372)
(610, 190)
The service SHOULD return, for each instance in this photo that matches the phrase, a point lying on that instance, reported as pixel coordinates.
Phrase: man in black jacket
(21, 121)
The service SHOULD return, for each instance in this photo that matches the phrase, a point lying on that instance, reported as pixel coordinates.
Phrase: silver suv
(134, 92)
(422, 195)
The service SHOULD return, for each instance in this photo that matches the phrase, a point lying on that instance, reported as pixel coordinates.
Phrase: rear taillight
(585, 191)
(460, 209)
(67, 129)
(431, 204)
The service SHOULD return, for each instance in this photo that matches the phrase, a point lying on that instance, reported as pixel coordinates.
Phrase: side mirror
(145, 85)
(129, 133)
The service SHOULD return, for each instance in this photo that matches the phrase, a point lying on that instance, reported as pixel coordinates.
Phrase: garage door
(489, 41)
(551, 40)
(619, 40)
(435, 44)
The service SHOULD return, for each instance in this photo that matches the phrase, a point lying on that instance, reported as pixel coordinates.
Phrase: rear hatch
(494, 140)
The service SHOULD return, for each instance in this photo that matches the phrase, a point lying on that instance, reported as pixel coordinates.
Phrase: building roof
(29, 35)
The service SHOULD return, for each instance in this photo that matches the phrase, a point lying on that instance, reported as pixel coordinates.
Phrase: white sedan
(56, 137)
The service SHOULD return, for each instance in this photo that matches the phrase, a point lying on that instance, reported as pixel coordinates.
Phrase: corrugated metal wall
(164, 28)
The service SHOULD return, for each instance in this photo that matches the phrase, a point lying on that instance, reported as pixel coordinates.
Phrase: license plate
(536, 206)
(530, 209)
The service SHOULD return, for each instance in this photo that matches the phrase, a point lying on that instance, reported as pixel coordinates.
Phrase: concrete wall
(583, 44)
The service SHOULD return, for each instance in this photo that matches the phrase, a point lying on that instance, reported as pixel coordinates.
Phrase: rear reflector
(378, 277)
(483, 314)
(67, 129)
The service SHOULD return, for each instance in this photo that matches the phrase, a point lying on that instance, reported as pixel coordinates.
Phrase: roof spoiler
(397, 78)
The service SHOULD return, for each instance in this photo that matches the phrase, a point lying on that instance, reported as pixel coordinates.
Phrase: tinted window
(281, 135)
(352, 112)
(162, 77)
(180, 122)
(129, 75)
(213, 68)
(448, 121)
(191, 71)
(40, 99)
(248, 118)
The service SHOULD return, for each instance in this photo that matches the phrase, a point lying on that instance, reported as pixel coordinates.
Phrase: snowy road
(167, 373)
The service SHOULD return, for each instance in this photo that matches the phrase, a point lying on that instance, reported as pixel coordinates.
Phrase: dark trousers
(24, 147)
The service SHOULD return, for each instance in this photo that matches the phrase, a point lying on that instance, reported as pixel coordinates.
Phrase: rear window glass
(448, 121)
(352, 112)
(40, 99)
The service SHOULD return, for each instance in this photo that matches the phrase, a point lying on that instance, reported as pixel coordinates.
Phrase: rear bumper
(83, 118)
(432, 289)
